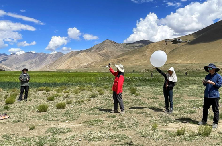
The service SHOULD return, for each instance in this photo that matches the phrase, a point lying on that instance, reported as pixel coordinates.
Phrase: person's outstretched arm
(161, 72)
(113, 72)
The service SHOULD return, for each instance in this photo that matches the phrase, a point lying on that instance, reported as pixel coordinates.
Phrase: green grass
(204, 130)
(88, 100)
(180, 131)
(42, 108)
(61, 105)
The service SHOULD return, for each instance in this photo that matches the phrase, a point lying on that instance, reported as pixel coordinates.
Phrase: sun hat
(25, 69)
(211, 65)
(120, 67)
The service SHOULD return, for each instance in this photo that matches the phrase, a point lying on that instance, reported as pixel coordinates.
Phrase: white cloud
(141, 1)
(2, 13)
(194, 16)
(149, 29)
(25, 18)
(22, 11)
(66, 49)
(56, 42)
(173, 4)
(189, 19)
(2, 44)
(90, 37)
(6, 25)
(10, 36)
(183, 0)
(8, 32)
(74, 33)
(14, 50)
(24, 44)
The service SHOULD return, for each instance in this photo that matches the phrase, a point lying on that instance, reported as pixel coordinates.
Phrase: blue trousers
(168, 94)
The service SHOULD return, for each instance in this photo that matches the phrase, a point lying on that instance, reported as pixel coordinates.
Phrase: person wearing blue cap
(213, 82)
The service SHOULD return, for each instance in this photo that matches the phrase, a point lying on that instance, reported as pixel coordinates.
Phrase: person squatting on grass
(24, 80)
(212, 82)
(170, 81)
(118, 87)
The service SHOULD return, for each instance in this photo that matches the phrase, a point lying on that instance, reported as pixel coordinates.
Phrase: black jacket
(167, 82)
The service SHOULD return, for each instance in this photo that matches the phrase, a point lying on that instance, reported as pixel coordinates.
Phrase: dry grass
(87, 121)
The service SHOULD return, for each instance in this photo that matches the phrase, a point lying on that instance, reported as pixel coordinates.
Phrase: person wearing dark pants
(118, 87)
(24, 80)
(213, 82)
(170, 81)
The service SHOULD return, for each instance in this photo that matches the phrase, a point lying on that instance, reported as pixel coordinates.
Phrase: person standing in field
(212, 82)
(118, 87)
(170, 81)
(24, 80)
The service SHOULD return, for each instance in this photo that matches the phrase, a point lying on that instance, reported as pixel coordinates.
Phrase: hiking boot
(114, 111)
(19, 99)
(170, 111)
(166, 110)
(214, 126)
(202, 123)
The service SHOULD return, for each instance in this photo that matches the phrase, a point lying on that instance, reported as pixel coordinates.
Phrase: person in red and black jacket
(118, 87)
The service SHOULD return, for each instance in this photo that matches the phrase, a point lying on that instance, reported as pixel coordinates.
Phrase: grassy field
(71, 108)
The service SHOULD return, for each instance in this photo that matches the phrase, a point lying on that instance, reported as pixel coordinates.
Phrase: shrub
(61, 105)
(66, 91)
(204, 130)
(41, 89)
(47, 89)
(13, 95)
(51, 98)
(31, 127)
(101, 92)
(42, 108)
(180, 131)
(68, 101)
(76, 91)
(6, 107)
(132, 90)
(154, 127)
(9, 100)
(93, 95)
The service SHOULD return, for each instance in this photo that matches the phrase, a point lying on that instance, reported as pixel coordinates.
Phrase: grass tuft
(61, 105)
(42, 108)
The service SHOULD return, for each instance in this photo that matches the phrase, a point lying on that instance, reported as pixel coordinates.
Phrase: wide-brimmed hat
(211, 65)
(120, 67)
(25, 69)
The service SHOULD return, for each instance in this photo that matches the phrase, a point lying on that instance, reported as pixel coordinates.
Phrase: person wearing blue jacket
(212, 82)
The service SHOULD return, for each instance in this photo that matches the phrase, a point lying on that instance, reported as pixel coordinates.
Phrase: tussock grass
(42, 108)
(61, 105)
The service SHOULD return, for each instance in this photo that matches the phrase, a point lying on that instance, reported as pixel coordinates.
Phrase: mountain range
(204, 46)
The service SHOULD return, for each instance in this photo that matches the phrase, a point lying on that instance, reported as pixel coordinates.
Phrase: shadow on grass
(137, 107)
(105, 110)
(156, 109)
(187, 120)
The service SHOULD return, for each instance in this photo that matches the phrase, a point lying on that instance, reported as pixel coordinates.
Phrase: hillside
(32, 61)
(205, 48)
(99, 53)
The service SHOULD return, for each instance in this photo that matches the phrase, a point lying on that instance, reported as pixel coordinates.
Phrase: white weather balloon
(158, 58)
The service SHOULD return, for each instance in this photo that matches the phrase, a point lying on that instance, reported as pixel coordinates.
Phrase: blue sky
(64, 25)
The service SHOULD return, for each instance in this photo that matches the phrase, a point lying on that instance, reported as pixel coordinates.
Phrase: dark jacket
(24, 79)
(211, 91)
(166, 82)
(118, 81)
